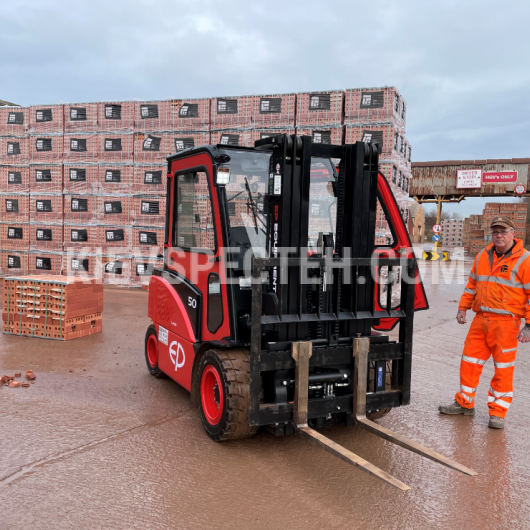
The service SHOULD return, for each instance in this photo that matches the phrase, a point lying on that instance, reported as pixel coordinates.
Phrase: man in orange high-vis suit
(497, 290)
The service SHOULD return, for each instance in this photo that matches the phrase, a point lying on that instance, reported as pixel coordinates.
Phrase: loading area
(96, 442)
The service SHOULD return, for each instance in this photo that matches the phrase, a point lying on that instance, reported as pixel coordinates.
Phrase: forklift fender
(167, 309)
(199, 353)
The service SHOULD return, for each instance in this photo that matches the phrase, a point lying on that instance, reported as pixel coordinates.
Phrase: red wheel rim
(152, 350)
(212, 395)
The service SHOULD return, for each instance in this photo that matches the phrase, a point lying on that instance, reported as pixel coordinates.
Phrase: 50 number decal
(192, 302)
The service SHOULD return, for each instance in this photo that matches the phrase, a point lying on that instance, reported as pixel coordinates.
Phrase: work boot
(456, 408)
(496, 422)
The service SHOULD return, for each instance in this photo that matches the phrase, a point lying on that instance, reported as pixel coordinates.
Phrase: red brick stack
(85, 183)
(378, 115)
(52, 307)
(14, 189)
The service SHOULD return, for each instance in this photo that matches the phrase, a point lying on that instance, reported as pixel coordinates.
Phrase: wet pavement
(107, 446)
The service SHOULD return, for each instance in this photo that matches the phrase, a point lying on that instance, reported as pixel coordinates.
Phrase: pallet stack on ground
(52, 306)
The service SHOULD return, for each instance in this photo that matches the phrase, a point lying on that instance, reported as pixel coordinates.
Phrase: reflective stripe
(503, 365)
(467, 398)
(472, 275)
(467, 389)
(487, 309)
(508, 350)
(515, 270)
(472, 360)
(500, 402)
(500, 281)
(501, 394)
(469, 291)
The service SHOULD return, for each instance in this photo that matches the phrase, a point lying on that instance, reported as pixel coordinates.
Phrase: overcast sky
(463, 66)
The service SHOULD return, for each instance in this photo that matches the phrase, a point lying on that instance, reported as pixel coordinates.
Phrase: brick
(46, 148)
(319, 108)
(80, 117)
(116, 116)
(18, 374)
(14, 384)
(46, 178)
(14, 121)
(46, 118)
(30, 376)
(14, 178)
(15, 149)
(25, 385)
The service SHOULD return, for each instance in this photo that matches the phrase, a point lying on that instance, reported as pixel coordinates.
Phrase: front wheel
(224, 394)
(151, 352)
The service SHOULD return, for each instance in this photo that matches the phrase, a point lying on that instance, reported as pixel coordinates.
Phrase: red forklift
(273, 299)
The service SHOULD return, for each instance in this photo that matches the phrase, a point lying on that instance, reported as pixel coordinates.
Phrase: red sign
(437, 229)
(499, 176)
(520, 189)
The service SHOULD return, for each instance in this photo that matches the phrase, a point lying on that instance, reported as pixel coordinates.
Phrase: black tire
(152, 368)
(231, 369)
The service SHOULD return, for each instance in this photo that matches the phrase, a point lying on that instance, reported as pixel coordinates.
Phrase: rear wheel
(151, 352)
(224, 394)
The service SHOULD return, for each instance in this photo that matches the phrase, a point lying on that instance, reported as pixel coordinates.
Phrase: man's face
(502, 237)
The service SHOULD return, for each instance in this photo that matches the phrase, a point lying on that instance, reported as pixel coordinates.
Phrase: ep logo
(176, 352)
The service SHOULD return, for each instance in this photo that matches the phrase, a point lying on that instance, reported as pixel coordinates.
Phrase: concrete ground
(97, 443)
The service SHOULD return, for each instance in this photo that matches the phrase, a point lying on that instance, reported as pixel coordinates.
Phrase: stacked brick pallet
(83, 185)
(52, 307)
(476, 227)
(379, 115)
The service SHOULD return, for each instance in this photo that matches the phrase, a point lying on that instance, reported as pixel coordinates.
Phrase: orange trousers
(488, 337)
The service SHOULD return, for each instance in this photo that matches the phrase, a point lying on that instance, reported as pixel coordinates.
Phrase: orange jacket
(499, 287)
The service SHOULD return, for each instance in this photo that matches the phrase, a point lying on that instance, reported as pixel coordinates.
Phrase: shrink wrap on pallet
(46, 148)
(150, 179)
(15, 150)
(116, 115)
(319, 109)
(46, 178)
(13, 262)
(378, 105)
(45, 262)
(14, 178)
(80, 117)
(46, 119)
(115, 239)
(231, 112)
(80, 208)
(14, 207)
(274, 111)
(14, 236)
(46, 207)
(14, 121)
(46, 236)
(80, 178)
(81, 147)
(115, 178)
(80, 237)
(241, 137)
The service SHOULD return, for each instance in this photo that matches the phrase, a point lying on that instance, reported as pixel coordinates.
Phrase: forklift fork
(301, 352)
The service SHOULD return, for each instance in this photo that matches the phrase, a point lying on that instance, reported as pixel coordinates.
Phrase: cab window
(193, 219)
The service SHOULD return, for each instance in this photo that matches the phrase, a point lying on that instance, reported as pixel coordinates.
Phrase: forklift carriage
(273, 296)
